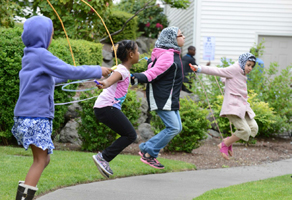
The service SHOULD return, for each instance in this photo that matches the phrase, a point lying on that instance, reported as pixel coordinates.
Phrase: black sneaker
(153, 162)
(102, 165)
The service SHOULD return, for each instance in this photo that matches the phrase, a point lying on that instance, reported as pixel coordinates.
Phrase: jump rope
(113, 68)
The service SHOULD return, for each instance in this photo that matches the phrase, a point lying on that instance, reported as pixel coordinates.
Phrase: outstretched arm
(227, 72)
(115, 77)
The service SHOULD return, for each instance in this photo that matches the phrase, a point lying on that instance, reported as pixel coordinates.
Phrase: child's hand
(106, 71)
(193, 67)
(102, 84)
(134, 81)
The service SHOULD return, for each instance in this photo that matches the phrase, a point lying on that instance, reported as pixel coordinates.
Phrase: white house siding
(184, 19)
(236, 24)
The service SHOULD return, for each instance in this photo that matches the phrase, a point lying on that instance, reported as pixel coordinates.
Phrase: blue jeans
(173, 126)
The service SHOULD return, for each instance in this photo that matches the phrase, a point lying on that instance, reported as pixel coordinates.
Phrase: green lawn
(69, 168)
(278, 188)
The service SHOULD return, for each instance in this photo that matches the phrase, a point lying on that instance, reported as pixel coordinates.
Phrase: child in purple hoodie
(34, 110)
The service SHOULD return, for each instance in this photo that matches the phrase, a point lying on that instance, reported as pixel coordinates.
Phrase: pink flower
(158, 25)
(148, 24)
(106, 4)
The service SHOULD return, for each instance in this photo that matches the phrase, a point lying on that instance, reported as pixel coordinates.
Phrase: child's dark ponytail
(123, 49)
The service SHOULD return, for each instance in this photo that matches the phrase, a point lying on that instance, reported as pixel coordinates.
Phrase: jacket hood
(37, 32)
(157, 52)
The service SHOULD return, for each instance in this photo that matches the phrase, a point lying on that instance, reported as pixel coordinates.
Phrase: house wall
(236, 24)
(184, 19)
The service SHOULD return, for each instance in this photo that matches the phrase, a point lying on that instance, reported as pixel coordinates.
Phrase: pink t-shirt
(116, 93)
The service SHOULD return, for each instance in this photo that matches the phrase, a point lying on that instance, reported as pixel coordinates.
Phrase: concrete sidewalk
(170, 186)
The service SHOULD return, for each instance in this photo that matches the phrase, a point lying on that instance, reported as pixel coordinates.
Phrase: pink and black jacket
(164, 78)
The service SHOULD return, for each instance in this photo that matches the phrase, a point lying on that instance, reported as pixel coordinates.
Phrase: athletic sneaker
(153, 162)
(102, 172)
(142, 154)
(102, 164)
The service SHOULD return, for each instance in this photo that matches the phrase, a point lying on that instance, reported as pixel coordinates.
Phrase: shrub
(116, 22)
(80, 21)
(10, 58)
(194, 122)
(97, 136)
(222, 122)
(267, 119)
(141, 66)
(150, 21)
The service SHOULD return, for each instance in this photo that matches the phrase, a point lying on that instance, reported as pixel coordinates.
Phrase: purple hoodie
(41, 70)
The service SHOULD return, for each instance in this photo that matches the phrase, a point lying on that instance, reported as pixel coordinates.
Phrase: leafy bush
(141, 66)
(194, 122)
(7, 13)
(267, 119)
(150, 21)
(80, 20)
(222, 122)
(10, 59)
(95, 135)
(116, 22)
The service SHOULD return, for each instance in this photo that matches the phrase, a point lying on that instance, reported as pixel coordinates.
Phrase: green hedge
(10, 58)
(194, 122)
(116, 21)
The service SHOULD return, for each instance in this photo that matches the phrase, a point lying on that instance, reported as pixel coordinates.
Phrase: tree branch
(124, 26)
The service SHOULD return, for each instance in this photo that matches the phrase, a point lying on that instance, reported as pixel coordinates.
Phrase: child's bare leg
(40, 160)
(229, 141)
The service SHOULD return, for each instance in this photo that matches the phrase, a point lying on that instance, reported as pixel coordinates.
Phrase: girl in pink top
(107, 107)
(235, 106)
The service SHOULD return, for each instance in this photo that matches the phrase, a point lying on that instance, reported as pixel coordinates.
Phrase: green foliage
(8, 10)
(84, 52)
(10, 58)
(116, 21)
(273, 89)
(183, 4)
(95, 135)
(194, 122)
(141, 66)
(150, 21)
(222, 122)
(80, 20)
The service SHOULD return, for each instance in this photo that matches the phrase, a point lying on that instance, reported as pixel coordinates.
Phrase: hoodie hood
(37, 32)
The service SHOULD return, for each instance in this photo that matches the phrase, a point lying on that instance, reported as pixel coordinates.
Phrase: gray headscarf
(243, 58)
(167, 39)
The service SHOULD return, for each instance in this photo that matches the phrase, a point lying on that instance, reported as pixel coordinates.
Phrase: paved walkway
(170, 186)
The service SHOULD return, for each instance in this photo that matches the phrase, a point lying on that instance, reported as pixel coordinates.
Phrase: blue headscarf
(167, 39)
(243, 58)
